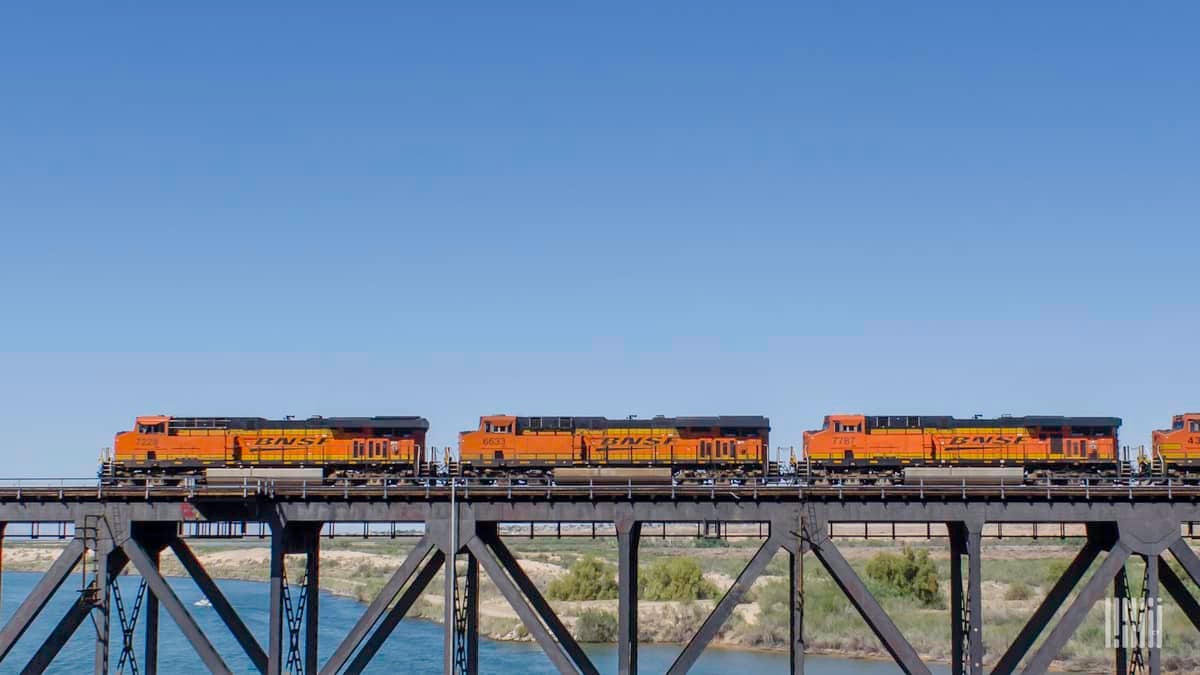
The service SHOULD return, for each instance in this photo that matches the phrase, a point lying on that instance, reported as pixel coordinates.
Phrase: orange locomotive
(573, 448)
(1175, 452)
(231, 447)
(889, 447)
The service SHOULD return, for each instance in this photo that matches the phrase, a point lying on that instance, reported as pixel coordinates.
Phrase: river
(415, 646)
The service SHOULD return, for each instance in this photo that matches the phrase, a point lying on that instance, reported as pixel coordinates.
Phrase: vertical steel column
(472, 609)
(966, 603)
(1121, 596)
(796, 586)
(450, 545)
(312, 612)
(2, 528)
(629, 534)
(150, 660)
(975, 598)
(1150, 622)
(958, 606)
(449, 599)
(275, 655)
(100, 611)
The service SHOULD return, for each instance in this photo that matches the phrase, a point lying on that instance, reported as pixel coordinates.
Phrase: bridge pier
(294, 618)
(796, 549)
(629, 536)
(966, 603)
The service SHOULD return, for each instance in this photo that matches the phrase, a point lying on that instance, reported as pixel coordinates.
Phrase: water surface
(415, 646)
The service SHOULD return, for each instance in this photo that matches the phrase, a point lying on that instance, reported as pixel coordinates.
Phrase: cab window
(159, 428)
(1194, 426)
(1178, 425)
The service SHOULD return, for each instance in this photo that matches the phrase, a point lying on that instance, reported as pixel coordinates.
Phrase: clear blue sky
(582, 208)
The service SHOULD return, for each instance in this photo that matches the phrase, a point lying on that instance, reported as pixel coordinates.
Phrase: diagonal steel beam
(1187, 558)
(1174, 585)
(539, 603)
(378, 606)
(868, 607)
(167, 598)
(708, 630)
(1045, 611)
(555, 651)
(58, 637)
(1077, 612)
(396, 613)
(220, 603)
(33, 604)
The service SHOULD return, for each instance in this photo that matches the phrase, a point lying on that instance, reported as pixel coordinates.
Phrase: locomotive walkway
(117, 527)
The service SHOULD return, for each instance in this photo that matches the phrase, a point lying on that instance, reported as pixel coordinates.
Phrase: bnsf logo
(610, 441)
(985, 440)
(290, 441)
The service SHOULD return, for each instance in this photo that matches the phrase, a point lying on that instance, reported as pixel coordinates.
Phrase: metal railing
(429, 486)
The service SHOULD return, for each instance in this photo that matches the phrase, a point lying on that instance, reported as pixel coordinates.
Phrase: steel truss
(462, 539)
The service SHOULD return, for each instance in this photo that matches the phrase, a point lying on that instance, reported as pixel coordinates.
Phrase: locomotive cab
(498, 424)
(149, 433)
(495, 436)
(1177, 447)
(837, 439)
(154, 424)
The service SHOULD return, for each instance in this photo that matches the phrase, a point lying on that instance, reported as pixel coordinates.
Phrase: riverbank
(1016, 577)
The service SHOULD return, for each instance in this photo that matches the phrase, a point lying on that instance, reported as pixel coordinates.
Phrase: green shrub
(595, 625)
(674, 579)
(910, 574)
(588, 579)
(1018, 590)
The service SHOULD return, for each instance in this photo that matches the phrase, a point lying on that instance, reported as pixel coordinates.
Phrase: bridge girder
(126, 532)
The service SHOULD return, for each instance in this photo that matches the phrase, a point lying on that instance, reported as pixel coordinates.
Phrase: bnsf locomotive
(597, 448)
(176, 448)
(897, 448)
(846, 449)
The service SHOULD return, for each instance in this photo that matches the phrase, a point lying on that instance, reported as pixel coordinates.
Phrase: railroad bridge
(463, 525)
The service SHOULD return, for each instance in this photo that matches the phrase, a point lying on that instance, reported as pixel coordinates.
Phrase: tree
(910, 574)
(674, 579)
(588, 579)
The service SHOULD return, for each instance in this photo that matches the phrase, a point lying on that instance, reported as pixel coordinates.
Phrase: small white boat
(202, 602)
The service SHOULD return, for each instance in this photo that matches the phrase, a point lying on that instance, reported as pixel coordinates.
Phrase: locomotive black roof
(566, 423)
(252, 423)
(947, 422)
